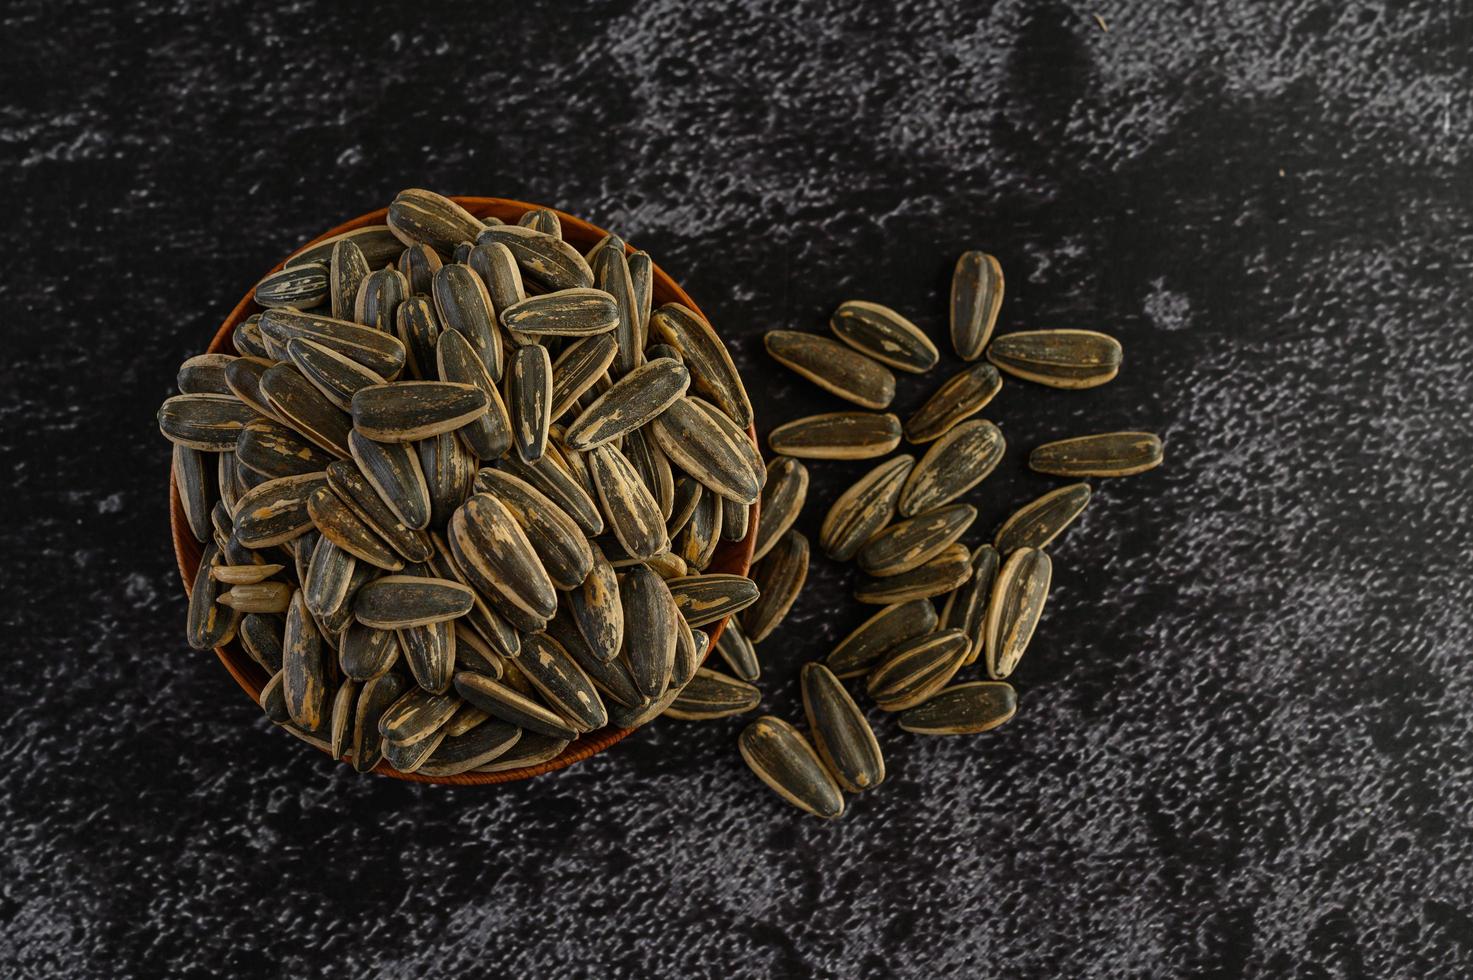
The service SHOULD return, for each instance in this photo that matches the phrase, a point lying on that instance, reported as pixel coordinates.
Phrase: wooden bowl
(733, 557)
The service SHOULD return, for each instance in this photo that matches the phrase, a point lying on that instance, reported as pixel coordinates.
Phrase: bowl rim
(734, 556)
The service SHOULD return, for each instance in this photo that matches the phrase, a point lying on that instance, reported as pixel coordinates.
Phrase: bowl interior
(734, 557)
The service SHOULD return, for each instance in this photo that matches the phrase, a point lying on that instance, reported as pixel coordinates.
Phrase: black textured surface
(1245, 731)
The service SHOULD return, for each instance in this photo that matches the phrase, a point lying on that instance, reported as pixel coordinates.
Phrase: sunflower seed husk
(529, 397)
(243, 574)
(430, 650)
(543, 220)
(954, 464)
(297, 402)
(738, 652)
(208, 422)
(399, 601)
(966, 709)
(376, 242)
(463, 305)
(378, 299)
(410, 756)
(336, 376)
(380, 352)
(579, 312)
(561, 682)
(209, 624)
(630, 403)
(365, 652)
(476, 747)
(418, 264)
(450, 471)
(273, 701)
(842, 736)
(374, 698)
(222, 525)
(706, 357)
(334, 623)
(273, 450)
(418, 215)
(276, 511)
(633, 515)
(1058, 358)
(779, 577)
(340, 524)
(837, 435)
(204, 374)
(531, 750)
(392, 469)
(711, 695)
(591, 256)
(473, 653)
(578, 367)
(347, 268)
(1018, 598)
(548, 261)
(497, 267)
(1038, 523)
(304, 667)
(784, 760)
(702, 533)
(340, 727)
(703, 599)
(409, 410)
(417, 326)
(976, 297)
(735, 520)
(833, 367)
(686, 497)
(695, 442)
(1104, 454)
(494, 631)
(247, 339)
(258, 597)
(911, 543)
(496, 557)
(884, 335)
(966, 608)
(556, 538)
(261, 636)
(783, 496)
(962, 396)
(916, 669)
(360, 495)
(302, 286)
(559, 486)
(195, 491)
(489, 434)
(229, 480)
(650, 612)
(611, 677)
(642, 281)
(938, 576)
(243, 378)
(872, 640)
(504, 702)
(863, 509)
(653, 467)
(301, 549)
(596, 608)
(611, 273)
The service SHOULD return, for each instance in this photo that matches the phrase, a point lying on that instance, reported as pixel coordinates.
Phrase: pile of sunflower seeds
(902, 522)
(457, 490)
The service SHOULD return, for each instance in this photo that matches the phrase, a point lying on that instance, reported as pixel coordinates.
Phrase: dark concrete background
(1245, 738)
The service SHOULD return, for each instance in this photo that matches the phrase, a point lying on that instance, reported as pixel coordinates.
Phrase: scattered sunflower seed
(864, 508)
(833, 367)
(1017, 602)
(884, 335)
(976, 298)
(960, 397)
(954, 464)
(837, 435)
(1038, 523)
(1105, 454)
(843, 737)
(782, 758)
(965, 709)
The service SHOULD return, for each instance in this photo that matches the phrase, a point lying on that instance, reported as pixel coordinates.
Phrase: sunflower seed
(247, 339)
(703, 599)
(273, 450)
(783, 495)
(916, 669)
(706, 357)
(302, 286)
(429, 650)
(531, 750)
(365, 653)
(872, 640)
(695, 442)
(376, 242)
(561, 487)
(497, 268)
(380, 352)
(779, 577)
(228, 480)
(462, 253)
(209, 623)
(204, 374)
(345, 479)
(304, 667)
(911, 543)
(966, 608)
(558, 541)
(611, 677)
(466, 718)
(209, 423)
(783, 759)
(962, 396)
(738, 652)
(1037, 524)
(328, 576)
(1017, 602)
(650, 612)
(578, 367)
(378, 299)
(837, 435)
(243, 574)
(863, 509)
(579, 312)
(591, 256)
(243, 378)
(596, 608)
(261, 636)
(938, 576)
(685, 498)
(642, 282)
(334, 623)
(410, 756)
(375, 697)
(954, 464)
(691, 647)
(301, 549)
(463, 305)
(1105, 454)
(260, 597)
(473, 653)
(611, 273)
(340, 725)
(347, 268)
(276, 511)
(418, 215)
(548, 261)
(489, 434)
(711, 695)
(273, 701)
(668, 565)
(561, 682)
(653, 467)
(504, 702)
(735, 520)
(399, 601)
(976, 297)
(450, 471)
(1058, 358)
(418, 264)
(884, 335)
(841, 734)
(543, 220)
(393, 470)
(633, 515)
(494, 554)
(340, 524)
(417, 715)
(336, 376)
(476, 747)
(965, 709)
(410, 410)
(417, 326)
(633, 401)
(222, 525)
(702, 533)
(833, 367)
(193, 485)
(529, 393)
(299, 404)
